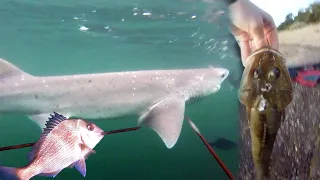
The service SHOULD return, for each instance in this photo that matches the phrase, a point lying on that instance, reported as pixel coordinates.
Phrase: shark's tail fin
(9, 70)
(8, 173)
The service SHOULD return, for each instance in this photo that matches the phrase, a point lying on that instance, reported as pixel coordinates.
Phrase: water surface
(67, 37)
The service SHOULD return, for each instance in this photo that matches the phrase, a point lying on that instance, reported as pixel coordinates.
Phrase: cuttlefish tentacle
(265, 90)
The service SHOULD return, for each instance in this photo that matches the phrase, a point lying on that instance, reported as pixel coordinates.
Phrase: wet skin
(265, 90)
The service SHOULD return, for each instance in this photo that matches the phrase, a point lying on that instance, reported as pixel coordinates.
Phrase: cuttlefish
(265, 90)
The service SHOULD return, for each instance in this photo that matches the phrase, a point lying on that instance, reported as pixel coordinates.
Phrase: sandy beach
(301, 46)
(309, 35)
(296, 148)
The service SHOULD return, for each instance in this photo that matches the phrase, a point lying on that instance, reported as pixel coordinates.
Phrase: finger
(270, 31)
(245, 51)
(243, 39)
(257, 33)
(272, 39)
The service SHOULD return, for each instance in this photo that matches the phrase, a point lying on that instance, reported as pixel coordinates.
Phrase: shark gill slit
(194, 99)
(194, 96)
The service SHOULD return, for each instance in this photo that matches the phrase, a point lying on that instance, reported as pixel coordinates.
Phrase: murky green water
(48, 38)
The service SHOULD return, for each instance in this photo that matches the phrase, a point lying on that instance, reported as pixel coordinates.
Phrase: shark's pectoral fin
(166, 119)
(40, 119)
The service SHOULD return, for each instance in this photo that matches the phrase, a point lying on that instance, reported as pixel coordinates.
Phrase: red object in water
(301, 77)
(212, 152)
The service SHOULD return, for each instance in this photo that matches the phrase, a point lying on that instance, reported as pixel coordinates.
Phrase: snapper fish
(63, 143)
(265, 90)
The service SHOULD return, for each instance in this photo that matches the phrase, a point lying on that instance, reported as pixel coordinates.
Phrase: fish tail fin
(8, 70)
(9, 173)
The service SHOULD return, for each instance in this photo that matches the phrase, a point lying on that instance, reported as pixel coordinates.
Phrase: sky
(278, 9)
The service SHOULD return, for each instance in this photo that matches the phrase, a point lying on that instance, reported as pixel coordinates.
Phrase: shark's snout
(224, 73)
(221, 72)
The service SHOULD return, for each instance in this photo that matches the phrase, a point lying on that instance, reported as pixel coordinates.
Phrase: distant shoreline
(301, 46)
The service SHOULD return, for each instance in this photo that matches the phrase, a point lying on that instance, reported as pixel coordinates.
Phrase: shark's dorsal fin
(8, 70)
(54, 120)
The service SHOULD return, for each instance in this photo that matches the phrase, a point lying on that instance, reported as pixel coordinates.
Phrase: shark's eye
(274, 74)
(90, 127)
(223, 75)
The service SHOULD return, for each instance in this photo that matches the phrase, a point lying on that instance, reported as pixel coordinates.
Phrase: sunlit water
(66, 37)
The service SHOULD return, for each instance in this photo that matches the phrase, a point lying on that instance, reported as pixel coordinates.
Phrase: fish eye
(274, 73)
(90, 127)
(256, 73)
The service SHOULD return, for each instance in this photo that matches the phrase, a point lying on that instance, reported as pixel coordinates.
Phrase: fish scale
(60, 146)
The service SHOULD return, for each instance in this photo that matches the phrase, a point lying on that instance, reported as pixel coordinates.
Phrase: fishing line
(104, 133)
(212, 152)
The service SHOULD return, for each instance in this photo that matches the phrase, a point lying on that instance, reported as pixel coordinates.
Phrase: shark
(157, 97)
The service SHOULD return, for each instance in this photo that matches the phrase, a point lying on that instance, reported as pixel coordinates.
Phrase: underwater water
(63, 37)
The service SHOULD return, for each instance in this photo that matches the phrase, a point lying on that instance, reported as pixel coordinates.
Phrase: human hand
(252, 27)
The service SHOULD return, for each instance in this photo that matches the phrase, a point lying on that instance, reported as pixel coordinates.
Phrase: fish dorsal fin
(54, 120)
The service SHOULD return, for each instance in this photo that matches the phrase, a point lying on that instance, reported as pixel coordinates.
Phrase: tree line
(308, 15)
